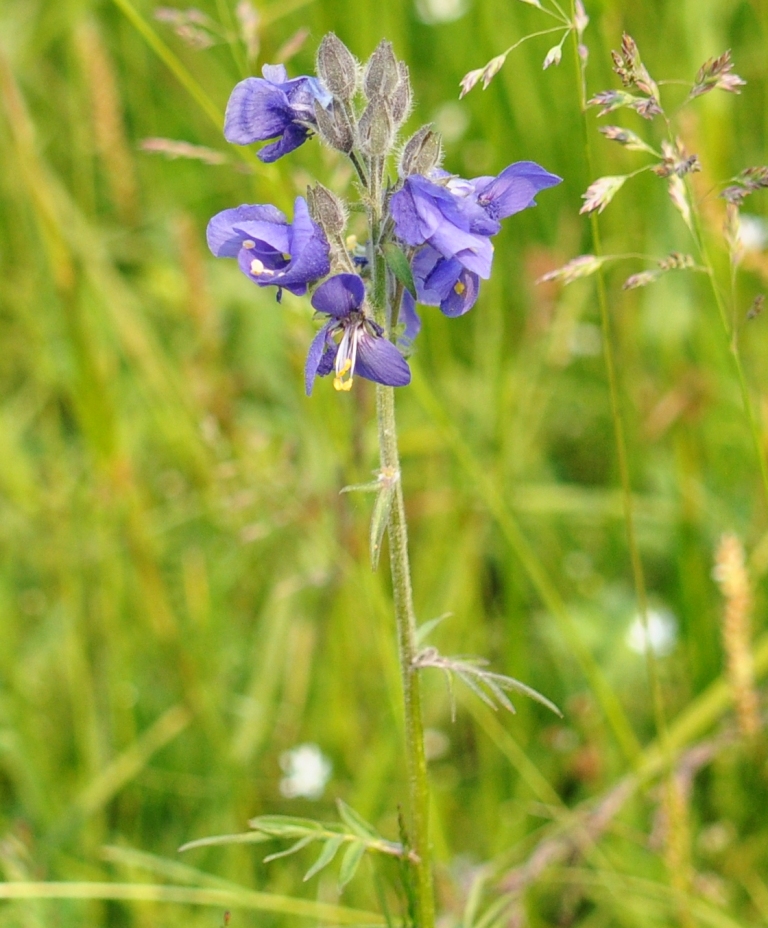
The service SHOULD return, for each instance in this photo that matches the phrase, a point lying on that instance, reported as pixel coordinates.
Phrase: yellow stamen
(459, 287)
(286, 256)
(338, 381)
(249, 243)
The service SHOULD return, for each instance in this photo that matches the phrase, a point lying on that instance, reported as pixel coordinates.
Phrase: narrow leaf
(247, 837)
(398, 264)
(510, 683)
(423, 631)
(380, 519)
(371, 487)
(302, 842)
(326, 856)
(476, 689)
(350, 862)
(285, 826)
(355, 822)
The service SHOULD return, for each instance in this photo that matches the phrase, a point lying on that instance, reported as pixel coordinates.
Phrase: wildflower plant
(429, 243)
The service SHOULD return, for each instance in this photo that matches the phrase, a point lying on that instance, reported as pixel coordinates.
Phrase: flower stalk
(429, 242)
(416, 761)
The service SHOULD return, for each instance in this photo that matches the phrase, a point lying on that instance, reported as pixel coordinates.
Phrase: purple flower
(444, 282)
(272, 107)
(362, 349)
(454, 226)
(270, 250)
(457, 217)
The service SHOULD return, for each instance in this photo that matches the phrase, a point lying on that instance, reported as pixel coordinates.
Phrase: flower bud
(422, 152)
(376, 129)
(334, 127)
(381, 72)
(327, 210)
(336, 67)
(400, 104)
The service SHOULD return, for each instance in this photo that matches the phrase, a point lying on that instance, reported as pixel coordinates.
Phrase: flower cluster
(430, 231)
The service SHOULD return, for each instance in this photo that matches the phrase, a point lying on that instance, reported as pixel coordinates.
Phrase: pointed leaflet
(398, 264)
(380, 519)
(246, 837)
(302, 842)
(350, 862)
(355, 822)
(422, 632)
(285, 826)
(326, 856)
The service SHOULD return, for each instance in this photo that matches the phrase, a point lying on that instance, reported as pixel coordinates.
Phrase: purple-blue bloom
(273, 107)
(444, 282)
(426, 212)
(270, 250)
(457, 217)
(362, 350)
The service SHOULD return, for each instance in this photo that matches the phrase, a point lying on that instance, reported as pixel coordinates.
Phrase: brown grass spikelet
(108, 120)
(731, 574)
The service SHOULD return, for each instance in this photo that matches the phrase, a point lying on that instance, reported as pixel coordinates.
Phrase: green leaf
(350, 862)
(422, 632)
(326, 856)
(355, 822)
(371, 487)
(302, 842)
(380, 519)
(398, 264)
(285, 826)
(246, 837)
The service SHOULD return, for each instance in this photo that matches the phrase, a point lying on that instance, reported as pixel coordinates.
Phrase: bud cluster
(386, 91)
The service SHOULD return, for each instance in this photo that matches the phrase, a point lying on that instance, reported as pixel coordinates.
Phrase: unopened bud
(381, 72)
(422, 152)
(336, 67)
(376, 129)
(327, 210)
(400, 104)
(334, 128)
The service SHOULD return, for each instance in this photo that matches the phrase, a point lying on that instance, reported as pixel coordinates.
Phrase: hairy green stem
(416, 760)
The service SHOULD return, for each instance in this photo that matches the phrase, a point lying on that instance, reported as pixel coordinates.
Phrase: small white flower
(307, 770)
(440, 11)
(754, 232)
(662, 633)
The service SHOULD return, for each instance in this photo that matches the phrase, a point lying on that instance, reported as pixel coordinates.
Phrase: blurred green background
(184, 594)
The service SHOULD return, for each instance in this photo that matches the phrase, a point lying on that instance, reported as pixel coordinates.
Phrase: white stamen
(249, 243)
(346, 356)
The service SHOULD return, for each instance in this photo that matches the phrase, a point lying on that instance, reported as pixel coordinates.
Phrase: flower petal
(257, 110)
(293, 136)
(380, 361)
(514, 189)
(339, 295)
(410, 317)
(321, 346)
(462, 296)
(309, 249)
(229, 228)
(275, 73)
(427, 212)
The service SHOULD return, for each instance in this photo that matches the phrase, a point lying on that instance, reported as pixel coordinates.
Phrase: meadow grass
(185, 594)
